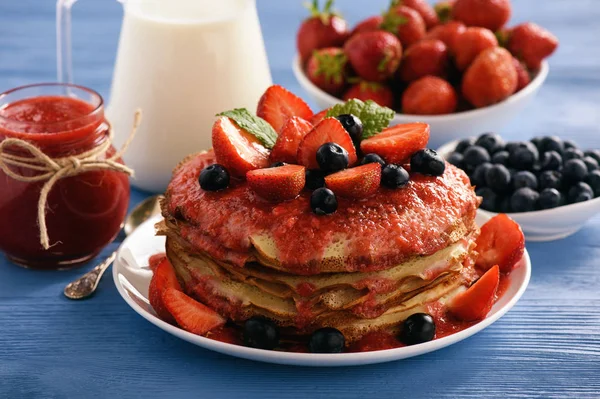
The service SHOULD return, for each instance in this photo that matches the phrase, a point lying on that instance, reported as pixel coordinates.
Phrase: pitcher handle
(64, 61)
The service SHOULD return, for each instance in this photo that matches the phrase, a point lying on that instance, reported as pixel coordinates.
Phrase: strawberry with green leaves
(326, 68)
(378, 92)
(531, 44)
(443, 9)
(374, 56)
(405, 23)
(424, 9)
(322, 29)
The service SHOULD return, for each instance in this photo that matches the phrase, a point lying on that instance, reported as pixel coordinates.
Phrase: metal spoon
(86, 285)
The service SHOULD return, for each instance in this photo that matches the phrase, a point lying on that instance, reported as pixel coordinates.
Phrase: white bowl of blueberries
(548, 185)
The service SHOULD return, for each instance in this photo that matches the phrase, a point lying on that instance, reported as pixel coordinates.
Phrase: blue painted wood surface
(548, 346)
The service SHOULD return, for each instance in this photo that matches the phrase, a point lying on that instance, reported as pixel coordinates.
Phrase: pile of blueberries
(526, 176)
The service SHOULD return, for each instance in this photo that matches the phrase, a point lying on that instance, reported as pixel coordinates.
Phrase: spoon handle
(86, 285)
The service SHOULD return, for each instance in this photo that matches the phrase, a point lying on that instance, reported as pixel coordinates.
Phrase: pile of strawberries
(424, 60)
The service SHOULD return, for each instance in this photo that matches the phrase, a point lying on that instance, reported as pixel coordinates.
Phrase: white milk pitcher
(181, 62)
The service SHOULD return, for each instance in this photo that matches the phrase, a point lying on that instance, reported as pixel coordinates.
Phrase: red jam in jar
(84, 212)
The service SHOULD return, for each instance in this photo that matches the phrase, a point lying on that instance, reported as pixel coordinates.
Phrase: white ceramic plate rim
(307, 359)
(537, 81)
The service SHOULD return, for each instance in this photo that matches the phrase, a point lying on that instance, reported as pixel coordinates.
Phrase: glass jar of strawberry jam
(83, 212)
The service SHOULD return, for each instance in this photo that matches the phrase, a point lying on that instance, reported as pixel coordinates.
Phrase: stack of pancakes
(246, 257)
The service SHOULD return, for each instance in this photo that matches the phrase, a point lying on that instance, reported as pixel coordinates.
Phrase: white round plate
(132, 279)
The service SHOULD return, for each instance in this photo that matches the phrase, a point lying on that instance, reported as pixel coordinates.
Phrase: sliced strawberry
(277, 184)
(236, 149)
(318, 118)
(330, 130)
(278, 104)
(501, 243)
(475, 303)
(164, 278)
(191, 315)
(359, 182)
(155, 260)
(396, 144)
(290, 136)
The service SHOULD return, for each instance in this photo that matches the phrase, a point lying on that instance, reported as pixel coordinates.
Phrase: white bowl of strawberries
(466, 75)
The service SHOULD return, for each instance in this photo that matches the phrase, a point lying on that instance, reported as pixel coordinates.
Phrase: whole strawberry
(472, 42)
(429, 95)
(427, 57)
(523, 78)
(322, 29)
(405, 23)
(490, 14)
(326, 69)
(368, 25)
(423, 8)
(377, 92)
(375, 56)
(531, 43)
(491, 78)
(448, 33)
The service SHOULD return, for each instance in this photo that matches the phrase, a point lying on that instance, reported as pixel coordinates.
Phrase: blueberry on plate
(464, 144)
(572, 153)
(314, 179)
(332, 157)
(551, 160)
(456, 159)
(594, 154)
(214, 178)
(323, 201)
(498, 178)
(326, 340)
(550, 179)
(580, 192)
(260, 333)
(569, 144)
(550, 198)
(593, 180)
(492, 142)
(478, 175)
(574, 170)
(476, 155)
(353, 126)
(501, 157)
(524, 178)
(517, 145)
(427, 162)
(490, 199)
(503, 204)
(372, 158)
(418, 328)
(524, 200)
(394, 176)
(591, 163)
(524, 158)
(551, 143)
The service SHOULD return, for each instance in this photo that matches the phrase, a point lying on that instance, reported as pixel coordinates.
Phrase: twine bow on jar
(52, 170)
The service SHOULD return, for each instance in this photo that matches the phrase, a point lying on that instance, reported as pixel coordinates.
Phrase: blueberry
(524, 178)
(536, 141)
(394, 176)
(456, 159)
(523, 158)
(498, 178)
(427, 162)
(580, 192)
(550, 179)
(593, 179)
(572, 153)
(591, 163)
(517, 145)
(569, 144)
(524, 200)
(353, 126)
(314, 179)
(503, 204)
(326, 340)
(323, 201)
(574, 170)
(551, 143)
(550, 198)
(594, 154)
(332, 157)
(551, 160)
(260, 333)
(277, 164)
(464, 144)
(372, 158)
(501, 157)
(491, 142)
(490, 199)
(214, 178)
(418, 328)
(478, 175)
(476, 155)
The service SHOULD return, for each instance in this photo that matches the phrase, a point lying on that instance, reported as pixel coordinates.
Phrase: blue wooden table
(548, 346)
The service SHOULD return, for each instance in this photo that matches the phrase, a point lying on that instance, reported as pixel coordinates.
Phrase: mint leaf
(374, 117)
(254, 125)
